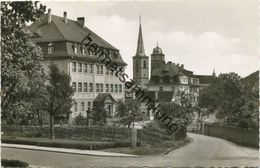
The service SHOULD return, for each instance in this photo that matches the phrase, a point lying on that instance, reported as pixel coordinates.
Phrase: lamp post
(202, 124)
(88, 116)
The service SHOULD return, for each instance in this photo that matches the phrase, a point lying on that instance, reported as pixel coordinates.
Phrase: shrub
(180, 134)
(13, 163)
(80, 120)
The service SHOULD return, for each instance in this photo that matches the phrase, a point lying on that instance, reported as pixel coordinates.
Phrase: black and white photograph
(170, 83)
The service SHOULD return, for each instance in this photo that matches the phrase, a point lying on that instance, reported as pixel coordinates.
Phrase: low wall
(247, 137)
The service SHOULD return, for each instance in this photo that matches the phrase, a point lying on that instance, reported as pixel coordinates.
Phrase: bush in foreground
(13, 163)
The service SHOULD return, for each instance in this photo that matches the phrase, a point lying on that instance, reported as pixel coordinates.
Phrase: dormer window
(83, 50)
(91, 53)
(116, 55)
(110, 54)
(75, 48)
(50, 48)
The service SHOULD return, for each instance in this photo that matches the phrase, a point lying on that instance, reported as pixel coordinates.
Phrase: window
(85, 68)
(101, 87)
(74, 86)
(161, 80)
(85, 87)
(116, 55)
(101, 69)
(79, 87)
(89, 105)
(74, 67)
(136, 63)
(111, 88)
(91, 68)
(109, 53)
(184, 80)
(83, 50)
(144, 64)
(97, 87)
(50, 48)
(120, 88)
(161, 88)
(97, 69)
(111, 72)
(116, 88)
(195, 81)
(80, 67)
(107, 71)
(107, 88)
(90, 87)
(75, 48)
(82, 106)
(75, 106)
(173, 89)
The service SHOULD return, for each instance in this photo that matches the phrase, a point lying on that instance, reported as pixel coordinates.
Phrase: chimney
(182, 66)
(169, 62)
(49, 15)
(178, 65)
(81, 21)
(65, 17)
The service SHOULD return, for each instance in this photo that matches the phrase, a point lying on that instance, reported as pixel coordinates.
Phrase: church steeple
(140, 44)
(140, 62)
(214, 73)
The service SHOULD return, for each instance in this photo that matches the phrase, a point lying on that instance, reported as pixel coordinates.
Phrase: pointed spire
(140, 44)
(214, 73)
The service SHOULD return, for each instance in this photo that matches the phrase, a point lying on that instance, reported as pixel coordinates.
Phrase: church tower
(140, 62)
(157, 59)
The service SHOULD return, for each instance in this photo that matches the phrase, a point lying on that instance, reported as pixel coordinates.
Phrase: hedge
(13, 163)
(84, 145)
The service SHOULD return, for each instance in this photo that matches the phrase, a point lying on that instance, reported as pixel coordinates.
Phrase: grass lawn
(151, 150)
(64, 143)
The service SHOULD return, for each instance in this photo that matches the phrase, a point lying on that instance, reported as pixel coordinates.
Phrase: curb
(68, 151)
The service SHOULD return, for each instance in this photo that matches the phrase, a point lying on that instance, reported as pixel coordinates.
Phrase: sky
(201, 34)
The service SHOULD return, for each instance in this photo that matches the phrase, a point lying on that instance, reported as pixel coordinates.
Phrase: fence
(107, 134)
(248, 137)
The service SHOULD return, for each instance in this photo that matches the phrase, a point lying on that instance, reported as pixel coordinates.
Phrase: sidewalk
(65, 150)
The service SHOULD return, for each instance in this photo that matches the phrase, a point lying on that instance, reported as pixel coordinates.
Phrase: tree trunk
(51, 127)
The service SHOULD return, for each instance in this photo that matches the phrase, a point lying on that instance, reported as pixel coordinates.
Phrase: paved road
(203, 151)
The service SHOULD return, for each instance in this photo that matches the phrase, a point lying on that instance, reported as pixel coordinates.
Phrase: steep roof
(164, 96)
(171, 69)
(167, 69)
(140, 44)
(205, 79)
(58, 30)
(252, 80)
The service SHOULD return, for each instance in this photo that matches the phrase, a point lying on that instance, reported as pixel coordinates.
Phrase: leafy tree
(128, 112)
(21, 60)
(233, 100)
(181, 112)
(99, 113)
(56, 99)
(80, 120)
